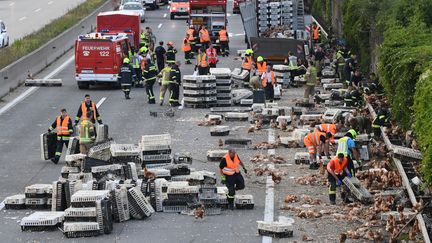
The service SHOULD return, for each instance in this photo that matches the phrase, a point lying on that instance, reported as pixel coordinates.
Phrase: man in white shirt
(268, 81)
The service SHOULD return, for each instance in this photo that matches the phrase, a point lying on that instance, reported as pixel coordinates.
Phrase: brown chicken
(251, 130)
(199, 212)
(342, 238)
(220, 143)
(276, 177)
(148, 174)
(273, 124)
(306, 238)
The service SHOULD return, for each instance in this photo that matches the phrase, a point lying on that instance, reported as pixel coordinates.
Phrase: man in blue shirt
(347, 146)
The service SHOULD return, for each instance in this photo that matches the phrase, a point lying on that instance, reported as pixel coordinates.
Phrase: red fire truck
(114, 22)
(98, 57)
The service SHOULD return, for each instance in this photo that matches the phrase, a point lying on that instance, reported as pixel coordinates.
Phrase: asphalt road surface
(23, 17)
(20, 163)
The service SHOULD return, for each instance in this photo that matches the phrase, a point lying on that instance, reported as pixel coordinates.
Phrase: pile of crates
(36, 196)
(223, 85)
(42, 221)
(139, 206)
(156, 149)
(179, 196)
(90, 214)
(208, 197)
(199, 91)
(123, 153)
(282, 75)
(275, 13)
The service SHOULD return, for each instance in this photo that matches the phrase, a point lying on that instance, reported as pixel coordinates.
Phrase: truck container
(114, 22)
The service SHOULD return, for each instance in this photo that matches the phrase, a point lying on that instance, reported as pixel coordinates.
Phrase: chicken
(199, 212)
(278, 141)
(342, 238)
(291, 198)
(29, 75)
(413, 232)
(221, 143)
(418, 206)
(258, 124)
(148, 174)
(276, 177)
(259, 171)
(306, 238)
(273, 124)
(251, 130)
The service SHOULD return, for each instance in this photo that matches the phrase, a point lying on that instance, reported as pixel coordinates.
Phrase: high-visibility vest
(212, 55)
(343, 146)
(336, 166)
(85, 127)
(186, 45)
(231, 166)
(190, 32)
(315, 33)
(331, 128)
(202, 60)
(223, 36)
(84, 110)
(314, 137)
(204, 35)
(143, 37)
(247, 63)
(63, 126)
(261, 67)
(135, 61)
(264, 81)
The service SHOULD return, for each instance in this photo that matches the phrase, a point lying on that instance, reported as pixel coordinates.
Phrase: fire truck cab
(98, 57)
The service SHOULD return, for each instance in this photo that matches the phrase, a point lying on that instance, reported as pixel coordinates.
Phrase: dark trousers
(224, 48)
(205, 44)
(203, 70)
(160, 65)
(59, 147)
(332, 186)
(174, 94)
(126, 89)
(187, 56)
(212, 65)
(351, 166)
(138, 74)
(269, 92)
(234, 183)
(149, 90)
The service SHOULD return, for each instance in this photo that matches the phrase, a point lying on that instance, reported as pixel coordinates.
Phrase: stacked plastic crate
(208, 197)
(36, 196)
(42, 221)
(263, 15)
(139, 206)
(123, 153)
(156, 149)
(282, 74)
(199, 91)
(90, 214)
(179, 196)
(223, 85)
(275, 13)
(120, 204)
(287, 13)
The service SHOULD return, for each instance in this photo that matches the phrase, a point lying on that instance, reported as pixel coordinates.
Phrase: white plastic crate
(330, 115)
(199, 92)
(286, 119)
(156, 157)
(280, 67)
(220, 72)
(357, 189)
(15, 199)
(219, 129)
(37, 188)
(80, 212)
(74, 157)
(80, 226)
(160, 172)
(236, 115)
(36, 201)
(219, 153)
(276, 227)
(287, 140)
(198, 78)
(118, 150)
(199, 99)
(310, 117)
(181, 189)
(121, 205)
(235, 74)
(332, 86)
(407, 152)
(89, 195)
(139, 203)
(174, 209)
(301, 156)
(159, 194)
(156, 139)
(270, 111)
(42, 219)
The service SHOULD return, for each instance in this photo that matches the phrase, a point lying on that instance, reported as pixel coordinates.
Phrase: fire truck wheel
(83, 85)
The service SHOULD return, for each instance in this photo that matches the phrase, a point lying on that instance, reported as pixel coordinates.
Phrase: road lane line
(22, 18)
(11, 4)
(30, 90)
(37, 10)
(168, 7)
(160, 25)
(165, 15)
(269, 199)
(100, 102)
(50, 2)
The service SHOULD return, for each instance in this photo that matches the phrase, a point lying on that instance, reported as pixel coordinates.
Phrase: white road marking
(50, 2)
(168, 7)
(239, 34)
(160, 25)
(11, 4)
(22, 18)
(37, 10)
(165, 15)
(269, 199)
(100, 102)
(30, 90)
(2, 204)
(230, 34)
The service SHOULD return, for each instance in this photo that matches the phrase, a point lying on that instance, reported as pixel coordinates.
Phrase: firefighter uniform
(164, 84)
(82, 111)
(268, 81)
(382, 119)
(143, 39)
(174, 85)
(171, 54)
(136, 64)
(64, 128)
(202, 63)
(150, 75)
(126, 77)
(231, 176)
(87, 135)
(337, 166)
(223, 41)
(212, 56)
(187, 49)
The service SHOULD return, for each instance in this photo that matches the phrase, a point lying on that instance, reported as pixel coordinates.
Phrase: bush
(33, 41)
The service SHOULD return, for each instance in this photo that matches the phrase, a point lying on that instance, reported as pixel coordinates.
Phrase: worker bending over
(315, 142)
(336, 170)
(63, 126)
(87, 134)
(347, 147)
(231, 176)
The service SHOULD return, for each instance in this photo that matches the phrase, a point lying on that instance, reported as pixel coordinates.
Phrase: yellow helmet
(126, 60)
(353, 133)
(143, 49)
(260, 59)
(249, 51)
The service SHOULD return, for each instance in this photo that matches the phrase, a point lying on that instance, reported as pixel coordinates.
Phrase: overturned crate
(42, 221)
(275, 229)
(216, 155)
(357, 190)
(44, 82)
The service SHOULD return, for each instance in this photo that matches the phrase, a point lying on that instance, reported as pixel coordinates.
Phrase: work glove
(244, 169)
(223, 179)
(349, 174)
(339, 182)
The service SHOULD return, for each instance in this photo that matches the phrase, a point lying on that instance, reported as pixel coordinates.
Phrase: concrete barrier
(15, 74)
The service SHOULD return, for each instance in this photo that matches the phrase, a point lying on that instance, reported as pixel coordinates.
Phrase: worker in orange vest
(64, 128)
(315, 142)
(261, 66)
(247, 60)
(202, 62)
(315, 33)
(212, 56)
(186, 48)
(231, 176)
(191, 32)
(88, 105)
(204, 37)
(268, 81)
(329, 127)
(336, 170)
(223, 41)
